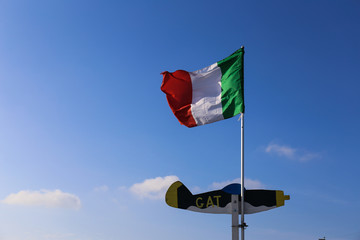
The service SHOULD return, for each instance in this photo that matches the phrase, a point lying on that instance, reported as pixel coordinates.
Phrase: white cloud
(154, 188)
(44, 198)
(291, 153)
(249, 183)
(281, 150)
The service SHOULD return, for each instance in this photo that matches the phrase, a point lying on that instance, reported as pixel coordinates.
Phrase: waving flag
(207, 95)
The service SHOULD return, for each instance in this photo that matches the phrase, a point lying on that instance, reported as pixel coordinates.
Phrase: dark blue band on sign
(234, 188)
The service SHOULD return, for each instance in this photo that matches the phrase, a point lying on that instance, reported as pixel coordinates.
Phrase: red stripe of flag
(178, 89)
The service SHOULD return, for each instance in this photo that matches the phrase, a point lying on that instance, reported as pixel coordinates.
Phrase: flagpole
(235, 199)
(243, 224)
(235, 216)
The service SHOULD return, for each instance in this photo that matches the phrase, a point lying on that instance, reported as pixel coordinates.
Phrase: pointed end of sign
(280, 198)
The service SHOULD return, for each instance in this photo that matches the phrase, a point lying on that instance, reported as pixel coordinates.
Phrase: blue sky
(88, 144)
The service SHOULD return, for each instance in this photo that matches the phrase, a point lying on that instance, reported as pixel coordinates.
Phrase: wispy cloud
(249, 183)
(153, 188)
(281, 150)
(44, 198)
(291, 153)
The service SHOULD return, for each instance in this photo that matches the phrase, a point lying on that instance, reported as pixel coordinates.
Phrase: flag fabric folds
(207, 95)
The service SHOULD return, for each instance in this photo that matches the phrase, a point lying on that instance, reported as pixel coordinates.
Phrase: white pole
(235, 216)
(243, 224)
(235, 198)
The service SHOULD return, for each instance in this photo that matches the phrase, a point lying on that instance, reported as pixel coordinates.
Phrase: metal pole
(243, 224)
(235, 216)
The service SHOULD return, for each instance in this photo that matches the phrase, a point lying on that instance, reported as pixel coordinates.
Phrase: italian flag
(207, 95)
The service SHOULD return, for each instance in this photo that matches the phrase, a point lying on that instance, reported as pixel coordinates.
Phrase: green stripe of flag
(232, 84)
